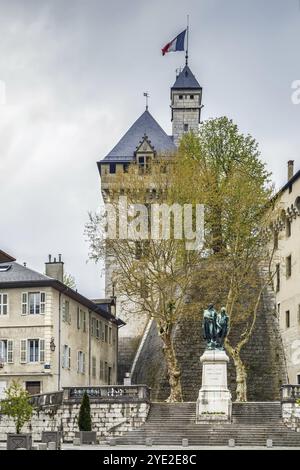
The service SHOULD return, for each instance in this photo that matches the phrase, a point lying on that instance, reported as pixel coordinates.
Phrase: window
(287, 319)
(97, 329)
(33, 388)
(84, 322)
(106, 372)
(66, 316)
(94, 367)
(144, 164)
(277, 277)
(180, 97)
(81, 362)
(125, 167)
(35, 350)
(4, 268)
(109, 335)
(185, 127)
(191, 97)
(112, 168)
(290, 188)
(278, 310)
(298, 379)
(288, 228)
(101, 370)
(6, 350)
(276, 240)
(289, 266)
(102, 332)
(33, 303)
(3, 304)
(106, 334)
(299, 314)
(66, 360)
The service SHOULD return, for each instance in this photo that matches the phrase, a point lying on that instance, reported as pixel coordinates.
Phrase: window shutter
(78, 318)
(83, 363)
(2, 351)
(42, 302)
(42, 350)
(24, 303)
(69, 359)
(23, 351)
(10, 346)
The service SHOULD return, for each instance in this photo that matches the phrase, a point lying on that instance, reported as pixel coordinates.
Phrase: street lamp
(52, 345)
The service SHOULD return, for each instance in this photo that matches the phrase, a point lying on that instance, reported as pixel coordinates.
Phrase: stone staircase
(252, 424)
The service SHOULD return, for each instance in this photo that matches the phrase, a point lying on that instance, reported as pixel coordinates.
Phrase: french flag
(176, 44)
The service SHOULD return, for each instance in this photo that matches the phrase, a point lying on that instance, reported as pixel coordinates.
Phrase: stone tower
(186, 98)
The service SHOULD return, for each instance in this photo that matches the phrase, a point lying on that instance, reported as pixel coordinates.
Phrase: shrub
(84, 418)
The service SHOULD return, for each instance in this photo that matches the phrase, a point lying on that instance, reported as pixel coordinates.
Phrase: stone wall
(108, 419)
(291, 415)
(263, 356)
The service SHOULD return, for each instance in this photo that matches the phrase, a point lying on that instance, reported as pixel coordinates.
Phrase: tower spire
(187, 40)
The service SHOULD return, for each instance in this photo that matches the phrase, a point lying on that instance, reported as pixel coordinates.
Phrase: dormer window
(144, 163)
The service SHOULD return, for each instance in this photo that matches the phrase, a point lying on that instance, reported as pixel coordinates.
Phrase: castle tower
(186, 98)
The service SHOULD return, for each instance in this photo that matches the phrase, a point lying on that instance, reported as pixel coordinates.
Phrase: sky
(72, 77)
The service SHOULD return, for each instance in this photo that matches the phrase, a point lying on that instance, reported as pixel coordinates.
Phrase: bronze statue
(215, 327)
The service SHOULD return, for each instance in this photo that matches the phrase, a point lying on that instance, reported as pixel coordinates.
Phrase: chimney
(290, 169)
(55, 269)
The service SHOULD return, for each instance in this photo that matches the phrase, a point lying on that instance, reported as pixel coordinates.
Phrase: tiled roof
(145, 124)
(186, 79)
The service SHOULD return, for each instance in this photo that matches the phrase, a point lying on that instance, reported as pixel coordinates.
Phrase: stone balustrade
(109, 394)
(290, 393)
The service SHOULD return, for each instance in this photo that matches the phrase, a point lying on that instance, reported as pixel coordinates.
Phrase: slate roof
(145, 124)
(186, 79)
(20, 276)
(19, 273)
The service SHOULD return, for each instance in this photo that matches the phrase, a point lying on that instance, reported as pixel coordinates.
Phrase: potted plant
(17, 406)
(86, 435)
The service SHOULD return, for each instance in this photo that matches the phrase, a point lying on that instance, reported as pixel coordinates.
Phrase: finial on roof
(146, 94)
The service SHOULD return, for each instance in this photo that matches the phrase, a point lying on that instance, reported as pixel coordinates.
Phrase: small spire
(146, 94)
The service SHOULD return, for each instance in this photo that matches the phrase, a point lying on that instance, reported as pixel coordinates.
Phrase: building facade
(51, 336)
(287, 269)
(143, 142)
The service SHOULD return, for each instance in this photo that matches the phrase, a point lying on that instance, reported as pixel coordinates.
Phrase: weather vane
(146, 94)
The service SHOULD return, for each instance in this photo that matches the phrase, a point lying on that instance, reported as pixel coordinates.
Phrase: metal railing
(290, 393)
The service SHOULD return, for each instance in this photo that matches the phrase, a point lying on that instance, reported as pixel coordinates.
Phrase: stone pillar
(214, 401)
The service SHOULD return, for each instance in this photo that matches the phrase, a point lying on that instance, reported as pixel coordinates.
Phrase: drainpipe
(89, 346)
(59, 341)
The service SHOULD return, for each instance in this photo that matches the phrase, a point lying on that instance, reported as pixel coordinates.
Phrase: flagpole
(187, 40)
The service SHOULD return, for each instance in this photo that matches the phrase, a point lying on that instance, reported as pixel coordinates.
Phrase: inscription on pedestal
(214, 374)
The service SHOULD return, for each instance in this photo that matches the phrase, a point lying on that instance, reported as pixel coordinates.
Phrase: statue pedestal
(214, 401)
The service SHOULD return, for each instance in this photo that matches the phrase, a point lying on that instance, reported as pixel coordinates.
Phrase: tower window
(287, 319)
(289, 266)
(288, 228)
(186, 127)
(181, 97)
(191, 97)
(112, 168)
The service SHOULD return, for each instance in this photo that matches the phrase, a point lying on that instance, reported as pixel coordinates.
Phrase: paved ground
(150, 449)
